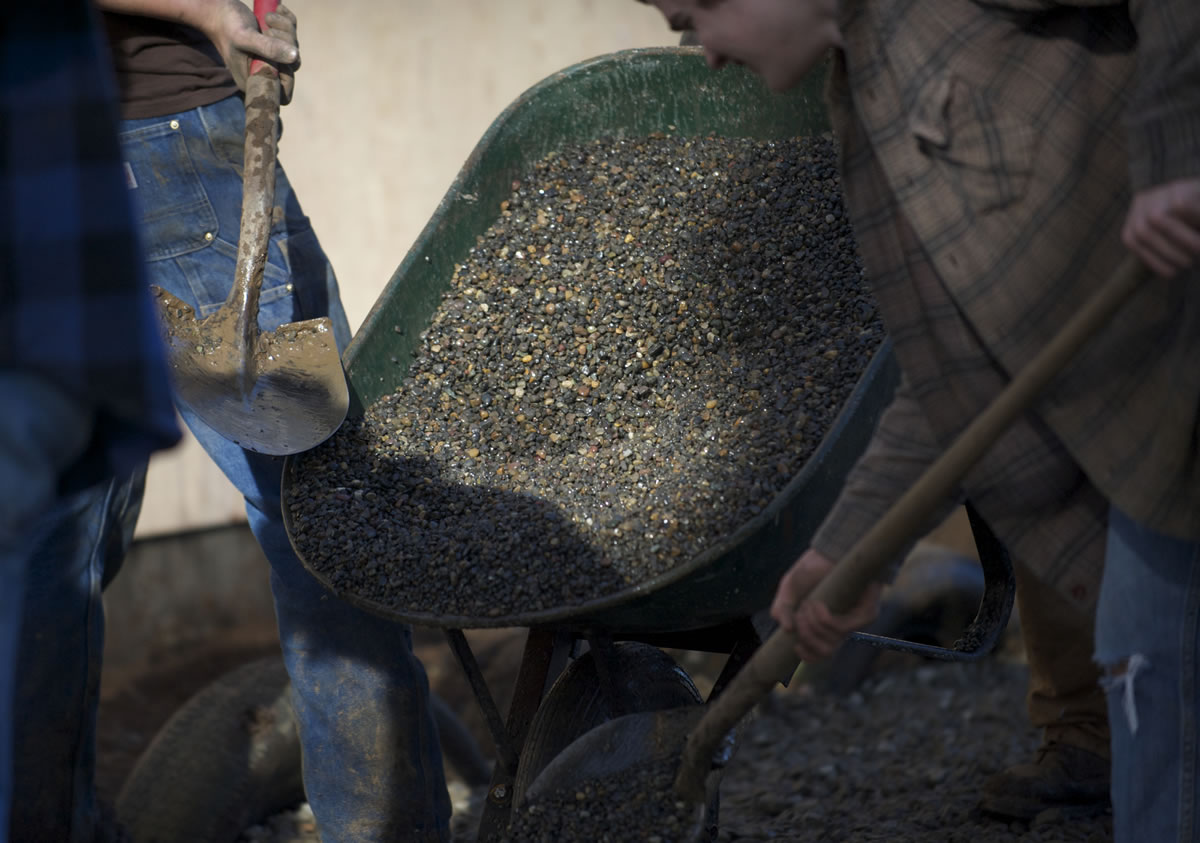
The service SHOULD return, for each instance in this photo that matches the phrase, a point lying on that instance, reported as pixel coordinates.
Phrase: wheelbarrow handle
(867, 560)
(262, 8)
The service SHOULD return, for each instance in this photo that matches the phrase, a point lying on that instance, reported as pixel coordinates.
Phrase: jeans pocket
(986, 150)
(210, 275)
(177, 216)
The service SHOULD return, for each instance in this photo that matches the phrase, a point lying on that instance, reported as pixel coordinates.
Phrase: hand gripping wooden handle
(844, 585)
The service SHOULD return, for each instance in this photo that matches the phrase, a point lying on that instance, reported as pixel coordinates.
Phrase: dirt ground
(901, 760)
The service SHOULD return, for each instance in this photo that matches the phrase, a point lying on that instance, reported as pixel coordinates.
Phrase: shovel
(646, 737)
(277, 392)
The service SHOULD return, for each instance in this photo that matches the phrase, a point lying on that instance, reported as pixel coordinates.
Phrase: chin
(783, 79)
(779, 84)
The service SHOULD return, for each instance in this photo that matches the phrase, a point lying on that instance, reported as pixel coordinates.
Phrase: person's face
(763, 35)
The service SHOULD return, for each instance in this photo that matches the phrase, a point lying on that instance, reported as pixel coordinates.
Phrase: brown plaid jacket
(988, 154)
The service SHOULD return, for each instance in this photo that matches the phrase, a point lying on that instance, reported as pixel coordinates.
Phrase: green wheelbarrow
(588, 664)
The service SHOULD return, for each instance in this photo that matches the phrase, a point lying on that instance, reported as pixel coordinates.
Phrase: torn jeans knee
(1120, 679)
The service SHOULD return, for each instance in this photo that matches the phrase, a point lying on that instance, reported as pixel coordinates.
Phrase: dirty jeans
(1148, 638)
(42, 430)
(372, 762)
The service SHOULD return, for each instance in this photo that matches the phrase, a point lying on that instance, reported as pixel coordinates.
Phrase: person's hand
(817, 630)
(1163, 226)
(232, 27)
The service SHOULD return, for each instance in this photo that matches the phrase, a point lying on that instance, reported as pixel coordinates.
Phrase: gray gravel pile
(632, 363)
(902, 760)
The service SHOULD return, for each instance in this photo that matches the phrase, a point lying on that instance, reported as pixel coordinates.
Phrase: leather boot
(1062, 777)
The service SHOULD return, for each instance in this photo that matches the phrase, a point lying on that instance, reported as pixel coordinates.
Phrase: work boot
(1062, 777)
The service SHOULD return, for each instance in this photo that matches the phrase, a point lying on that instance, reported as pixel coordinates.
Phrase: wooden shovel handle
(258, 206)
(844, 585)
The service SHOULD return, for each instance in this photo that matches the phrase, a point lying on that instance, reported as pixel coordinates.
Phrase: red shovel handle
(262, 8)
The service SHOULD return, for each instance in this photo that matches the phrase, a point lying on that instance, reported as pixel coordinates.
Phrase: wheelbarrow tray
(630, 93)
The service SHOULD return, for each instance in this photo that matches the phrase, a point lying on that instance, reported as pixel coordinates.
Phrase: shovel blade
(612, 748)
(616, 745)
(287, 395)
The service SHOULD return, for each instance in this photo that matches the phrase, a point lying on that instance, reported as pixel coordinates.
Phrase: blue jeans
(42, 430)
(372, 763)
(1148, 640)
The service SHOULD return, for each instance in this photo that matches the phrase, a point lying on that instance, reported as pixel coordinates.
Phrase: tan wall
(393, 96)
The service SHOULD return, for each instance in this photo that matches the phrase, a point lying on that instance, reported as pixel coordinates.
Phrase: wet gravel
(630, 365)
(900, 760)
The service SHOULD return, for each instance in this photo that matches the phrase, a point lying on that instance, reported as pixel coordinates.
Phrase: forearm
(900, 450)
(1164, 113)
(233, 29)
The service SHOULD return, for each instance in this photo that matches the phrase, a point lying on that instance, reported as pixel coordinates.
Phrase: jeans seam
(201, 114)
(1190, 638)
(86, 727)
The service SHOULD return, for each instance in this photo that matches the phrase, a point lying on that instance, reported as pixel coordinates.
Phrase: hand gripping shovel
(278, 392)
(640, 738)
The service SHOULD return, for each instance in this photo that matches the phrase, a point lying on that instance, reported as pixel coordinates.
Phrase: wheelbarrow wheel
(230, 758)
(648, 680)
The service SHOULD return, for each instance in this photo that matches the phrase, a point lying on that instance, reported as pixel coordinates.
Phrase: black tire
(227, 759)
(648, 680)
(230, 758)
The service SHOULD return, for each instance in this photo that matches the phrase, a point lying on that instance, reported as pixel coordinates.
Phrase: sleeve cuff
(1164, 150)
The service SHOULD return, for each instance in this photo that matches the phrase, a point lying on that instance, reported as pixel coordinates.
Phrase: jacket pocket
(984, 149)
(177, 216)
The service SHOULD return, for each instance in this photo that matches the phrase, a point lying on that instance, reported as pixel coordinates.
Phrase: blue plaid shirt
(74, 302)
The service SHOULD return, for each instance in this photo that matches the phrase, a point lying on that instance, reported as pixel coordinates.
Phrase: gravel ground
(901, 760)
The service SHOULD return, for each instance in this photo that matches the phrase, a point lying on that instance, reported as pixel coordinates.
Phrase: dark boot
(1062, 777)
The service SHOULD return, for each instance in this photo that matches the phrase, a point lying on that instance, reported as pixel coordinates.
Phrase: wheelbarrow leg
(506, 755)
(545, 656)
(740, 653)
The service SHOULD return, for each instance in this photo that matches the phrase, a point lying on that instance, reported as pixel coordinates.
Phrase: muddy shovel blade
(280, 392)
(286, 396)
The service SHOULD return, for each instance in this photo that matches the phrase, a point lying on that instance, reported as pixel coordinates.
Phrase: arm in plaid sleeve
(901, 449)
(1164, 115)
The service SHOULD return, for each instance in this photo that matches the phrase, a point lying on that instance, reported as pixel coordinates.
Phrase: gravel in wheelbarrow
(632, 362)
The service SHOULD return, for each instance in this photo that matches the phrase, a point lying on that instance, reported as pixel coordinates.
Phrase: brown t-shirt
(163, 67)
